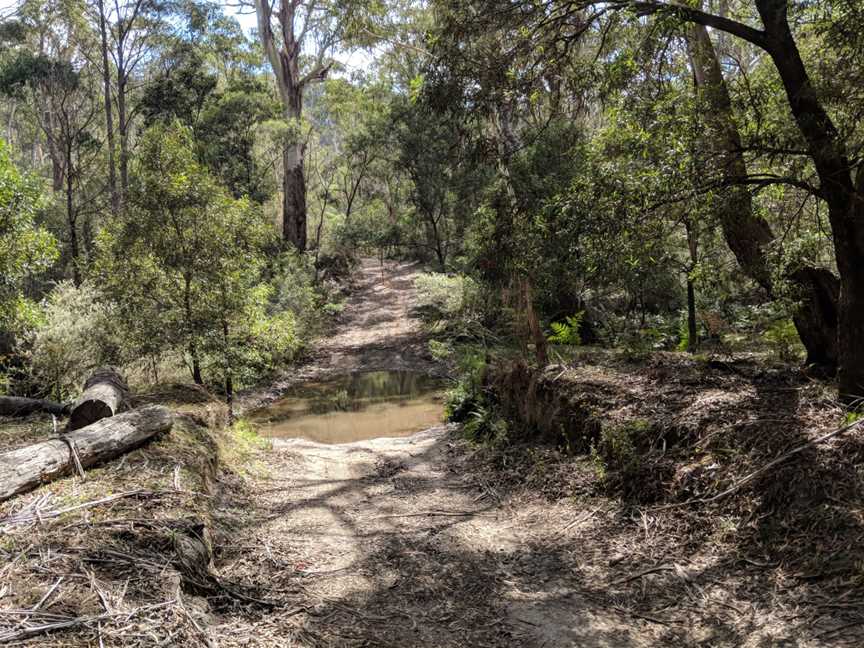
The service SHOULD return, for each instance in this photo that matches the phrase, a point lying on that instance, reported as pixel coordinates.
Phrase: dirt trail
(384, 543)
(393, 542)
(376, 332)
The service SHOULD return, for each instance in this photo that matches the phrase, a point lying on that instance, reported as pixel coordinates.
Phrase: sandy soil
(377, 332)
(405, 542)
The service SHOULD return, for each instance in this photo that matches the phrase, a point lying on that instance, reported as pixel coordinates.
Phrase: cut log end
(89, 412)
(104, 395)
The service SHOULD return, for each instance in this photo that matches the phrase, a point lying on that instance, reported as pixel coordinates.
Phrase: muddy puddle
(355, 407)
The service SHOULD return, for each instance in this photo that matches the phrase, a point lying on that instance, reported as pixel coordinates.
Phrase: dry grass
(125, 557)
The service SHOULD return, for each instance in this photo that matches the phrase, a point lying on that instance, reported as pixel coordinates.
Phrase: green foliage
(294, 292)
(28, 70)
(441, 351)
(26, 249)
(460, 400)
(74, 336)
(852, 417)
(782, 339)
(683, 335)
(224, 121)
(443, 296)
(567, 332)
(469, 402)
(185, 260)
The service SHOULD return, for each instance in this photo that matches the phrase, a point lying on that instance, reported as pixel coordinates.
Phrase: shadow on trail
(776, 563)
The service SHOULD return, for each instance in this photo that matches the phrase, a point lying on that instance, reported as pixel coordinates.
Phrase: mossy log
(27, 468)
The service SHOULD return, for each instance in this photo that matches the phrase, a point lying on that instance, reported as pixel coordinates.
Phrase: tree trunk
(817, 318)
(109, 119)
(229, 378)
(72, 217)
(850, 376)
(693, 248)
(284, 58)
(692, 331)
(747, 234)
(190, 329)
(16, 406)
(104, 395)
(844, 196)
(27, 468)
(294, 197)
(122, 127)
(196, 364)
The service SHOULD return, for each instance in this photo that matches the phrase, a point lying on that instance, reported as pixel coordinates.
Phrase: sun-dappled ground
(205, 538)
(429, 541)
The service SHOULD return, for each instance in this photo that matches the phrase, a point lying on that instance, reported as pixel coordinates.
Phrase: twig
(756, 473)
(633, 577)
(21, 519)
(644, 617)
(74, 622)
(587, 515)
(76, 459)
(204, 634)
(41, 602)
(48, 594)
(845, 626)
(34, 631)
(431, 514)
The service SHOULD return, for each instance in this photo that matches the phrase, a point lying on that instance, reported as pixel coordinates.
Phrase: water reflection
(355, 407)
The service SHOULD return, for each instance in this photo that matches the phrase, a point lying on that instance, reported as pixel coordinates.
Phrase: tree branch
(690, 14)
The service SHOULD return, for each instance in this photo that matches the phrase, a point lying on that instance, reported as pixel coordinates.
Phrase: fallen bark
(18, 406)
(27, 468)
(104, 395)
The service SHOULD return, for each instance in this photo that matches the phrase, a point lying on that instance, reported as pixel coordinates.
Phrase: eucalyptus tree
(831, 172)
(133, 28)
(183, 260)
(748, 234)
(299, 38)
(56, 86)
(830, 150)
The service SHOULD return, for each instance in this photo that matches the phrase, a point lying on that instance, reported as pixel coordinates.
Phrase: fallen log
(27, 468)
(104, 395)
(18, 406)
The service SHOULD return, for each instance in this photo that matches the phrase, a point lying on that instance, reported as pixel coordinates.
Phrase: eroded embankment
(659, 439)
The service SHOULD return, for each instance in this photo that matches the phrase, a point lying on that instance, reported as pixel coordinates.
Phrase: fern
(567, 332)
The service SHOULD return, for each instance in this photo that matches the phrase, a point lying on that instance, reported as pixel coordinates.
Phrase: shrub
(277, 338)
(337, 265)
(782, 338)
(294, 292)
(443, 296)
(75, 335)
(467, 394)
(616, 448)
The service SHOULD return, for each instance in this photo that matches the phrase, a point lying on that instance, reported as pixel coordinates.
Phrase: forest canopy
(192, 180)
